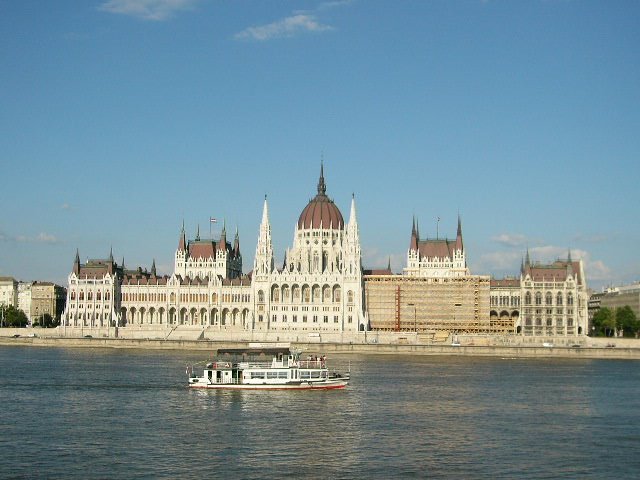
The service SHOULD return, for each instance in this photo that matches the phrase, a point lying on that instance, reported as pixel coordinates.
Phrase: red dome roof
(321, 211)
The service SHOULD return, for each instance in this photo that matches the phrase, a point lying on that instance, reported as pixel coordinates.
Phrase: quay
(382, 343)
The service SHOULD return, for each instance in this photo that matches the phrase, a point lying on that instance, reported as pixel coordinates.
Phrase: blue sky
(121, 118)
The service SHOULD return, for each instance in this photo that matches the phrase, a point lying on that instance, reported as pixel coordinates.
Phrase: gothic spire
(413, 243)
(198, 233)
(182, 243)
(153, 268)
(236, 244)
(265, 211)
(222, 244)
(322, 188)
(459, 245)
(352, 215)
(76, 263)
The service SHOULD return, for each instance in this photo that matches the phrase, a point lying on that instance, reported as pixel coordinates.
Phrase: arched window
(260, 296)
(275, 294)
(316, 293)
(81, 294)
(336, 294)
(89, 295)
(350, 296)
(548, 299)
(527, 298)
(538, 298)
(285, 293)
(73, 295)
(172, 297)
(570, 299)
(326, 293)
(306, 294)
(295, 293)
(559, 298)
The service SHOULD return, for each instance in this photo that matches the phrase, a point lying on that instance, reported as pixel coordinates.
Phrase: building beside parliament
(436, 295)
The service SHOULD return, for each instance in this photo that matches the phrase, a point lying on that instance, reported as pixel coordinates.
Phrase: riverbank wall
(383, 343)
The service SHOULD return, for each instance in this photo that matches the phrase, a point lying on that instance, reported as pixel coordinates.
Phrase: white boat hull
(328, 385)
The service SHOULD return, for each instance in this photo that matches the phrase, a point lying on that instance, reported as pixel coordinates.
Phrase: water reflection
(121, 414)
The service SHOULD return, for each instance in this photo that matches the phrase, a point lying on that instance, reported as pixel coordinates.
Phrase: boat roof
(253, 351)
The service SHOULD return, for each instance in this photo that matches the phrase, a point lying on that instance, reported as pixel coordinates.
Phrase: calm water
(98, 413)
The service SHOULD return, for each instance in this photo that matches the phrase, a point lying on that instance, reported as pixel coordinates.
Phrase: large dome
(321, 211)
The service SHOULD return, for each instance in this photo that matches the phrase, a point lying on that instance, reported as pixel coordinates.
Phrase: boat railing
(311, 364)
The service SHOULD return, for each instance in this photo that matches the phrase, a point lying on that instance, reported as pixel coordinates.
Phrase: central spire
(322, 188)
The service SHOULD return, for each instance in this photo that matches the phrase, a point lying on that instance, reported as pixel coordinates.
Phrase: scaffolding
(430, 306)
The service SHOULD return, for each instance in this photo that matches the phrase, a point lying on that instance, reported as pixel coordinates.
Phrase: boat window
(324, 374)
(257, 375)
(315, 374)
(282, 375)
(272, 374)
(305, 374)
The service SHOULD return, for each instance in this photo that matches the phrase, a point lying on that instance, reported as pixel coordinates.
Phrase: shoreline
(500, 351)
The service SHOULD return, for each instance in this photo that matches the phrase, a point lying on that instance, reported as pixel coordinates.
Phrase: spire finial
(322, 188)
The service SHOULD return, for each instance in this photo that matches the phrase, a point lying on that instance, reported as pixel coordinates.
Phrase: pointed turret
(153, 268)
(76, 263)
(263, 260)
(222, 244)
(236, 244)
(198, 233)
(389, 265)
(182, 243)
(413, 244)
(569, 264)
(111, 255)
(459, 245)
(265, 211)
(352, 214)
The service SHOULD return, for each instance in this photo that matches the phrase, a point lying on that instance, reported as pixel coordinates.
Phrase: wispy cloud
(155, 10)
(508, 262)
(40, 238)
(333, 4)
(287, 27)
(511, 240)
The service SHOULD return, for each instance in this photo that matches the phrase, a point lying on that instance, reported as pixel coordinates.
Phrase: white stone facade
(24, 298)
(8, 291)
(320, 287)
(546, 300)
(436, 258)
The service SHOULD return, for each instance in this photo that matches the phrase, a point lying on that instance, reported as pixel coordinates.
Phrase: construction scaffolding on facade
(432, 306)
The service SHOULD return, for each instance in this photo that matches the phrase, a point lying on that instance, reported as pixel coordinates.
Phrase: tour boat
(247, 369)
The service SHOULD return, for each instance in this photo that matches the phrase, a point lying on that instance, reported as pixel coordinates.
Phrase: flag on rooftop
(212, 220)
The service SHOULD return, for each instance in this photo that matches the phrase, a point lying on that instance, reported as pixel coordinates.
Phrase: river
(119, 413)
